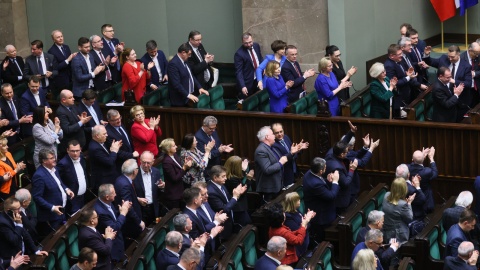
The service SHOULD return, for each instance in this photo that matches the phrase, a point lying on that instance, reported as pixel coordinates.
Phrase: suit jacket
(418, 202)
(99, 80)
(268, 171)
(463, 73)
(215, 155)
(102, 164)
(475, 65)
(346, 178)
(8, 114)
(94, 240)
(319, 196)
(451, 216)
(154, 76)
(81, 74)
(165, 258)
(289, 168)
(404, 86)
(12, 237)
(126, 150)
(90, 124)
(197, 225)
(173, 178)
(477, 195)
(457, 263)
(359, 247)
(115, 68)
(64, 76)
(46, 193)
(69, 124)
(265, 263)
(397, 218)
(244, 68)
(209, 225)
(428, 174)
(289, 73)
(455, 236)
(29, 222)
(28, 105)
(218, 202)
(198, 66)
(12, 74)
(126, 192)
(31, 67)
(414, 59)
(140, 187)
(105, 219)
(174, 267)
(380, 106)
(178, 82)
(67, 172)
(445, 104)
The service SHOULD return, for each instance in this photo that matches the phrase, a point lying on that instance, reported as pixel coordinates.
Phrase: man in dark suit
(87, 260)
(12, 67)
(373, 241)
(29, 220)
(89, 105)
(417, 55)
(183, 224)
(112, 47)
(11, 114)
(246, 60)
(427, 174)
(49, 193)
(209, 218)
(452, 215)
(102, 159)
(103, 79)
(276, 249)
(200, 61)
(291, 71)
(190, 260)
(159, 74)
(319, 196)
(63, 56)
(221, 200)
(13, 237)
(406, 46)
(89, 236)
(146, 183)
(445, 104)
(40, 64)
(204, 135)
(466, 259)
(111, 216)
(182, 85)
(84, 69)
(72, 121)
(461, 72)
(73, 170)
(118, 132)
(471, 56)
(460, 232)
(170, 254)
(33, 97)
(126, 192)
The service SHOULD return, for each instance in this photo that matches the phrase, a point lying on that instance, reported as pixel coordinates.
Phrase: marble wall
(303, 23)
(14, 26)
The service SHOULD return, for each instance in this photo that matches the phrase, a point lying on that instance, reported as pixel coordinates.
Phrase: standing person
(40, 64)
(113, 48)
(246, 60)
(47, 135)
(84, 69)
(102, 159)
(291, 71)
(460, 232)
(158, 74)
(89, 104)
(8, 170)
(103, 79)
(12, 67)
(200, 61)
(134, 75)
(63, 56)
(199, 159)
(333, 52)
(445, 103)
(11, 112)
(33, 97)
(239, 173)
(277, 88)
(278, 48)
(29, 220)
(382, 90)
(144, 131)
(466, 259)
(294, 219)
(327, 86)
(427, 174)
(116, 131)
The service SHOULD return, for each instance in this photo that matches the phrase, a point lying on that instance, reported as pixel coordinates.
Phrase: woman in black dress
(333, 52)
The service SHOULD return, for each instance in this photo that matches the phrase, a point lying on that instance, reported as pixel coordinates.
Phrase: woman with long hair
(134, 75)
(47, 135)
(199, 159)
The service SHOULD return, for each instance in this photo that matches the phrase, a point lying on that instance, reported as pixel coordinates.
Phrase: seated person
(466, 259)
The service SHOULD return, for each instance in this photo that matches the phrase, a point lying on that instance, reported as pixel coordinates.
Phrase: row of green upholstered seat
(358, 105)
(407, 263)
(421, 108)
(306, 105)
(259, 101)
(111, 93)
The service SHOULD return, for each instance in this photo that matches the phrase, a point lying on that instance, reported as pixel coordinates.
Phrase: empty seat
(216, 98)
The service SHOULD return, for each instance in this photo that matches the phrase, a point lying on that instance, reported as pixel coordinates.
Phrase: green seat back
(263, 101)
(152, 98)
(32, 207)
(302, 203)
(72, 240)
(164, 96)
(106, 95)
(443, 233)
(356, 225)
(139, 265)
(300, 106)
(203, 102)
(355, 107)
(312, 101)
(326, 259)
(249, 248)
(380, 197)
(250, 103)
(61, 251)
(434, 247)
(366, 102)
(50, 261)
(428, 105)
(410, 267)
(216, 98)
(419, 111)
(236, 259)
(117, 91)
(370, 206)
(160, 239)
(149, 256)
(160, 168)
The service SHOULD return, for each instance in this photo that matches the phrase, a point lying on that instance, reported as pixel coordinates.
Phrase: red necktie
(298, 72)
(107, 70)
(255, 65)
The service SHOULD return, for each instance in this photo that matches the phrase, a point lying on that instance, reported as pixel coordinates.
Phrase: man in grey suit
(41, 64)
(269, 164)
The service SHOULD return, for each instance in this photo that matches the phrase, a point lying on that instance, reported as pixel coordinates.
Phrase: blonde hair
(3, 142)
(271, 67)
(322, 65)
(398, 191)
(166, 144)
(135, 109)
(284, 267)
(376, 70)
(364, 260)
(233, 165)
(290, 202)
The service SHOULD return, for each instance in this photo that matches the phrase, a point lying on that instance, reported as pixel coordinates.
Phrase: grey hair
(92, 37)
(403, 41)
(190, 254)
(275, 244)
(465, 199)
(364, 260)
(375, 216)
(173, 238)
(180, 221)
(209, 120)
(9, 46)
(111, 113)
(97, 130)
(129, 166)
(351, 142)
(23, 195)
(104, 190)
(373, 235)
(262, 133)
(43, 154)
(146, 152)
(402, 171)
(465, 248)
(376, 70)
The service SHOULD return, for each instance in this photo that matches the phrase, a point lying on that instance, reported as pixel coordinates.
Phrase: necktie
(103, 146)
(284, 145)
(474, 83)
(124, 135)
(16, 64)
(417, 54)
(40, 71)
(63, 51)
(107, 70)
(14, 111)
(94, 115)
(199, 55)
(226, 197)
(190, 79)
(206, 74)
(400, 64)
(407, 61)
(255, 64)
(111, 211)
(298, 72)
(453, 71)
(277, 155)
(110, 44)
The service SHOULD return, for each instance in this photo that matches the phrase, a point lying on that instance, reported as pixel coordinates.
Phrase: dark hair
(72, 142)
(151, 45)
(83, 40)
(454, 48)
(407, 25)
(411, 31)
(89, 94)
(278, 45)
(192, 34)
(34, 78)
(190, 194)
(217, 170)
(275, 215)
(188, 141)
(441, 71)
(86, 255)
(86, 215)
(467, 215)
(39, 116)
(330, 49)
(289, 47)
(393, 49)
(43, 154)
(102, 29)
(317, 165)
(37, 43)
(339, 148)
(184, 48)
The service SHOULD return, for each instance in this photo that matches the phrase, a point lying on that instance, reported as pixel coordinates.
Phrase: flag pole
(442, 34)
(466, 30)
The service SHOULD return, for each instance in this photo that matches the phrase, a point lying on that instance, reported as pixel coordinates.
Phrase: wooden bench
(358, 105)
(418, 109)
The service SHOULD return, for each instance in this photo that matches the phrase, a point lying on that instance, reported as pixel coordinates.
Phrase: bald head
(465, 249)
(418, 157)
(474, 49)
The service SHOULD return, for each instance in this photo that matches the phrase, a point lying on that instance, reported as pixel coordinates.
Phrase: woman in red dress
(144, 131)
(134, 76)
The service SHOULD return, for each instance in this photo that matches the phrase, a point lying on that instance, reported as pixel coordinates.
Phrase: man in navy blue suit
(291, 71)
(170, 254)
(413, 187)
(246, 60)
(112, 47)
(102, 159)
(111, 216)
(33, 97)
(84, 69)
(466, 259)
(460, 232)
(63, 57)
(89, 105)
(209, 218)
(471, 57)
(276, 249)
(125, 191)
(445, 101)
(190, 260)
(373, 241)
(182, 84)
(200, 61)
(427, 174)
(12, 67)
(158, 73)
(417, 55)
(49, 193)
(12, 117)
(40, 63)
(73, 170)
(147, 184)
(104, 79)
(452, 215)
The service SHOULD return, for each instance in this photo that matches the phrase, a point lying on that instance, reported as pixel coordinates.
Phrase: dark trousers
(75, 204)
(148, 214)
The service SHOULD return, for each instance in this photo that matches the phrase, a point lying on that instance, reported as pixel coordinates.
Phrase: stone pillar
(303, 23)
(14, 26)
